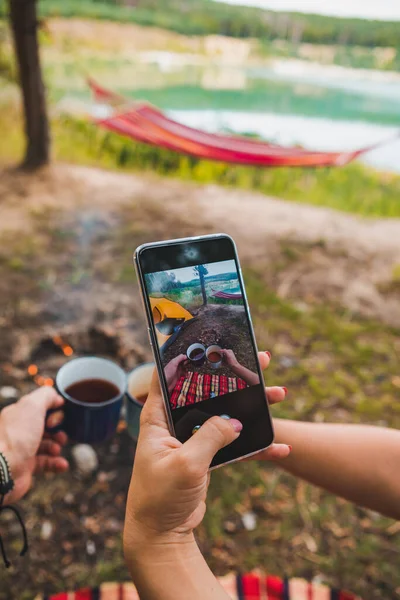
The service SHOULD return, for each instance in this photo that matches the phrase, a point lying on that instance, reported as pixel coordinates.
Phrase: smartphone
(202, 338)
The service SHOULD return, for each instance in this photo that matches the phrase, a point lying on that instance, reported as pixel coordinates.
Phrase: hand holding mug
(230, 358)
(24, 443)
(174, 370)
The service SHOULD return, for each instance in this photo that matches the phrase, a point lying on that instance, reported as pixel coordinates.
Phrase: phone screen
(203, 339)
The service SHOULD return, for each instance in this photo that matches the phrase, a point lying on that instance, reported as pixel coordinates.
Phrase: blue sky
(186, 273)
(369, 9)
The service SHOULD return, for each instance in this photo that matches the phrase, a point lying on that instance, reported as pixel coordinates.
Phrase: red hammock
(227, 295)
(145, 123)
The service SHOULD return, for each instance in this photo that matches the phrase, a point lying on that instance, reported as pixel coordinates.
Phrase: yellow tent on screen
(167, 315)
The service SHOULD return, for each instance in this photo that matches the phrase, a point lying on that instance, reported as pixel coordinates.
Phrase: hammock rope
(145, 123)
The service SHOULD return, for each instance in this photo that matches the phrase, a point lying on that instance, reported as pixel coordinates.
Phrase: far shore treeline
(203, 17)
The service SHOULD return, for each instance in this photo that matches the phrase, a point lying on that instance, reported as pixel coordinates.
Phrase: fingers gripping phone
(203, 341)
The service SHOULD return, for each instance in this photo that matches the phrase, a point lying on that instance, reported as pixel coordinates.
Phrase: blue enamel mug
(89, 422)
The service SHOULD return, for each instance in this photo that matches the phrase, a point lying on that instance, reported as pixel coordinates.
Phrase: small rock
(69, 498)
(374, 516)
(9, 393)
(91, 524)
(302, 307)
(14, 528)
(90, 548)
(249, 521)
(46, 531)
(230, 526)
(310, 543)
(67, 546)
(85, 459)
(395, 380)
(287, 362)
(102, 477)
(114, 525)
(114, 449)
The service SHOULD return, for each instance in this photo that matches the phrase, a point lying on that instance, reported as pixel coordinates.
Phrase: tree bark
(24, 26)
(203, 288)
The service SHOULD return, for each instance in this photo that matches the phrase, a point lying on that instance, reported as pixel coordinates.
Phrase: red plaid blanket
(195, 387)
(252, 586)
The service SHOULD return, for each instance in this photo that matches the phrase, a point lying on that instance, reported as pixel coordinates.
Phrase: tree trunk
(24, 27)
(203, 288)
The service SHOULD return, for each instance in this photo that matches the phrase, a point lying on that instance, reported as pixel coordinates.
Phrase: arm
(358, 462)
(249, 377)
(173, 571)
(166, 502)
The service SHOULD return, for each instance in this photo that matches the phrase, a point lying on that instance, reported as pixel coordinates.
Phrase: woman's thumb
(214, 434)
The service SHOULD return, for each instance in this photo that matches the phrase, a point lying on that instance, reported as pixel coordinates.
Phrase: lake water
(317, 107)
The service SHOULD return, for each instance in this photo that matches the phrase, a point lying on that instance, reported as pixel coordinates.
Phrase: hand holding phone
(166, 473)
(203, 341)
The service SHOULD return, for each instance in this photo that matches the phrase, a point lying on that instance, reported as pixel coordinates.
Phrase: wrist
(171, 567)
(143, 545)
(283, 431)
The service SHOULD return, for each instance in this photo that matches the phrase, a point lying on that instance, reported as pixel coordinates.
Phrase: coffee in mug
(214, 356)
(93, 389)
(196, 353)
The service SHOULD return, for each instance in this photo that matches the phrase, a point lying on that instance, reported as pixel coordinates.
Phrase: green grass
(342, 369)
(207, 17)
(355, 188)
(348, 362)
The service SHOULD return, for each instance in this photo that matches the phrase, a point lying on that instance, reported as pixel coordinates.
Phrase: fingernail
(285, 390)
(268, 353)
(237, 425)
(290, 448)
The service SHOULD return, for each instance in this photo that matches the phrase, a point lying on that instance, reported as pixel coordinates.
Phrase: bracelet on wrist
(6, 480)
(6, 486)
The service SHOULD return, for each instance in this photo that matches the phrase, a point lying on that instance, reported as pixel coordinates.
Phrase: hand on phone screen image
(174, 370)
(202, 331)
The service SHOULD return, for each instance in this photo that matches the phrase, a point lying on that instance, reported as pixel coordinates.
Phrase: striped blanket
(195, 387)
(252, 586)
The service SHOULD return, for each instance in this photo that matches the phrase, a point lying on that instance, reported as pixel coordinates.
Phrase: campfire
(33, 369)
(36, 360)
(67, 350)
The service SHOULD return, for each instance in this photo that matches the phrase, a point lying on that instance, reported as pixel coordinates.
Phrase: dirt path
(335, 256)
(306, 253)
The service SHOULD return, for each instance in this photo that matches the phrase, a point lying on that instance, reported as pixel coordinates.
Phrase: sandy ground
(224, 326)
(307, 253)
